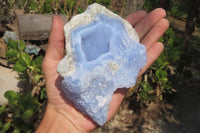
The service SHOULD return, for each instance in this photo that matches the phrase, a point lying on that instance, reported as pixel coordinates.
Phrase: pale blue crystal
(106, 58)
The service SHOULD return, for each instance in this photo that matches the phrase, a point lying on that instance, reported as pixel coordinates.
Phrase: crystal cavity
(102, 54)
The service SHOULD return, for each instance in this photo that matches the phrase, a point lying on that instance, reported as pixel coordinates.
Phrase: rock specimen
(32, 49)
(102, 54)
(10, 35)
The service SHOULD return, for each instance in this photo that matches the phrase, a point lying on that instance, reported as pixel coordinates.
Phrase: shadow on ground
(186, 104)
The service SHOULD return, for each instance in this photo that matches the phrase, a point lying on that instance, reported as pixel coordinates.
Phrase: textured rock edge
(66, 66)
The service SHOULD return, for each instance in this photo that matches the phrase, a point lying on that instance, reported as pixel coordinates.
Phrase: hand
(61, 115)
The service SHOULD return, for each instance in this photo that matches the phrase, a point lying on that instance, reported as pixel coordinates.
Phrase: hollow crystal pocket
(102, 55)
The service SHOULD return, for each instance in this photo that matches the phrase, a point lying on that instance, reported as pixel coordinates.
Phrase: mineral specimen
(32, 49)
(10, 35)
(102, 54)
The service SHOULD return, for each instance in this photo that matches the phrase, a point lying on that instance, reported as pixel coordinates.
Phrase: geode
(102, 54)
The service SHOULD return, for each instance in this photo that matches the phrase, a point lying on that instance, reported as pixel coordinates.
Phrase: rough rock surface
(102, 54)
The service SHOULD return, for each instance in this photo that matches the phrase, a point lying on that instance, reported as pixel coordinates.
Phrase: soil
(129, 121)
(187, 107)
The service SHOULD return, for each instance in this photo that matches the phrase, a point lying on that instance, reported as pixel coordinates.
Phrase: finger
(55, 50)
(116, 101)
(152, 54)
(135, 18)
(155, 33)
(148, 21)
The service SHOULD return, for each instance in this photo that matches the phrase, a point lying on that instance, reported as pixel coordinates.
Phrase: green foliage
(173, 45)
(159, 83)
(11, 53)
(21, 103)
(27, 114)
(14, 50)
(46, 7)
(150, 5)
(22, 60)
(12, 97)
(17, 45)
(2, 109)
(80, 10)
(103, 2)
(5, 127)
(146, 91)
(68, 7)
(24, 106)
(189, 58)
(43, 94)
(177, 9)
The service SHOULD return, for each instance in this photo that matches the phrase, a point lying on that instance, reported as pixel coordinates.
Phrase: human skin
(61, 116)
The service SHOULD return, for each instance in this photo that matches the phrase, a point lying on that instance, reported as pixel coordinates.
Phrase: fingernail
(161, 10)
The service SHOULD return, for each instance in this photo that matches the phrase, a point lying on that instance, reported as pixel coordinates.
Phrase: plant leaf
(2, 109)
(17, 45)
(37, 77)
(43, 93)
(19, 67)
(5, 127)
(26, 58)
(11, 53)
(38, 61)
(11, 96)
(27, 114)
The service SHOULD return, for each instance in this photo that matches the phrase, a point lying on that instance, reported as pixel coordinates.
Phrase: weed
(23, 106)
(157, 82)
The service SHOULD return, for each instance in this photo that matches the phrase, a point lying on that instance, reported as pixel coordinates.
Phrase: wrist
(54, 122)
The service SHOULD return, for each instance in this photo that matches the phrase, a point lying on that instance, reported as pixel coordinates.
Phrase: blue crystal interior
(97, 41)
(106, 58)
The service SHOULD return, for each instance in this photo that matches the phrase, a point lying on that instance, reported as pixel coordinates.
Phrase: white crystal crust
(102, 54)
(66, 66)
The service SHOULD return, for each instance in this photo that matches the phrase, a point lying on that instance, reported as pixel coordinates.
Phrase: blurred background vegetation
(25, 109)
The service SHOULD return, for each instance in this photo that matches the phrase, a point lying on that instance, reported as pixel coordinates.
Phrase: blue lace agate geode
(103, 54)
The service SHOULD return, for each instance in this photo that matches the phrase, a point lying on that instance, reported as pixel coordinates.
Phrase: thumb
(55, 50)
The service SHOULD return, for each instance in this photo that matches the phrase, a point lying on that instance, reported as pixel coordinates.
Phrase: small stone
(10, 35)
(32, 49)
(102, 54)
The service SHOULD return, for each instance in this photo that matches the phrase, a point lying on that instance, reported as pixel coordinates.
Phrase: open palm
(150, 27)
